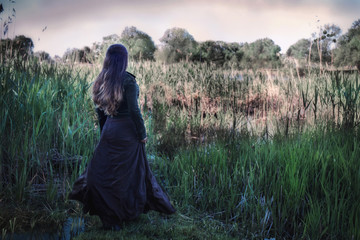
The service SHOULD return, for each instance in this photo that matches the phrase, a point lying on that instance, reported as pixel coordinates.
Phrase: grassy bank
(304, 186)
(242, 154)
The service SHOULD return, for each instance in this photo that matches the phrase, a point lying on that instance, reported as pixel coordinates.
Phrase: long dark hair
(107, 90)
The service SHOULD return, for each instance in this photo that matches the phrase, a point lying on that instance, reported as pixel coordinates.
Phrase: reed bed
(303, 187)
(47, 129)
(270, 152)
(199, 102)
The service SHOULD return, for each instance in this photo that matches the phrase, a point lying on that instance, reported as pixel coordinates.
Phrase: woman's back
(118, 184)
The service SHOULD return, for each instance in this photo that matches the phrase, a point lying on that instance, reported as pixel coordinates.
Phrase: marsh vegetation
(241, 153)
(249, 144)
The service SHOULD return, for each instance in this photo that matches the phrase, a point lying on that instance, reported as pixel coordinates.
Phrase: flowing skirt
(118, 184)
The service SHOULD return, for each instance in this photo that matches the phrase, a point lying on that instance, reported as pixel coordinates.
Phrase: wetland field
(243, 154)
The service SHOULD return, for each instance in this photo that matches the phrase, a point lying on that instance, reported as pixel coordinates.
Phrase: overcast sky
(79, 23)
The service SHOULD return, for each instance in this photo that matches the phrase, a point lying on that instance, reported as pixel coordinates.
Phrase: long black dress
(118, 184)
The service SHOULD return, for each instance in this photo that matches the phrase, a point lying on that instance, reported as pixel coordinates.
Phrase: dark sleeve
(102, 118)
(131, 94)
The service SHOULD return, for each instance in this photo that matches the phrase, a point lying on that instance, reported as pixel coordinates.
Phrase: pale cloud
(76, 23)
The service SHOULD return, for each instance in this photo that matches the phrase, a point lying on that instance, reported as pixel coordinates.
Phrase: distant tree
(42, 56)
(19, 47)
(86, 55)
(139, 44)
(23, 45)
(178, 44)
(83, 55)
(233, 54)
(324, 42)
(57, 58)
(113, 38)
(218, 52)
(69, 55)
(300, 49)
(99, 49)
(262, 53)
(353, 32)
(210, 51)
(348, 50)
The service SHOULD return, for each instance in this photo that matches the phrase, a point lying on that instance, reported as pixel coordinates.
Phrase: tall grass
(304, 187)
(268, 151)
(203, 102)
(47, 128)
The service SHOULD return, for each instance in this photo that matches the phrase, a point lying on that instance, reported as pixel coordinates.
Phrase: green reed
(211, 101)
(274, 153)
(304, 187)
(47, 128)
(288, 167)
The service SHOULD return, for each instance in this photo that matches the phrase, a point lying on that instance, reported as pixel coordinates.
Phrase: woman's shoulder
(129, 81)
(129, 77)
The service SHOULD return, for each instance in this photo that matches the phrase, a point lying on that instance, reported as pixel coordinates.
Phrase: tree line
(328, 46)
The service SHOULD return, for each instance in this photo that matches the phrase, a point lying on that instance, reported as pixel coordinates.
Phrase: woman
(118, 184)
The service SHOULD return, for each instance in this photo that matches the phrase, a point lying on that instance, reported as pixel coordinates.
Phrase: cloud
(75, 23)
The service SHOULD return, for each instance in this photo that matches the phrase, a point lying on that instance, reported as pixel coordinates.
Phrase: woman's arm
(131, 94)
(102, 118)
